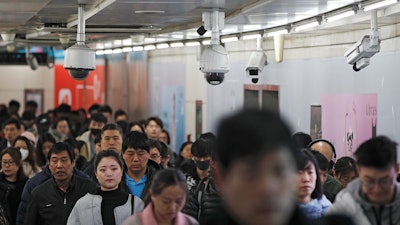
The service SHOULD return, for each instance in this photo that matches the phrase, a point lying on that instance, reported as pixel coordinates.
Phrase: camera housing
(360, 53)
(256, 64)
(79, 60)
(214, 63)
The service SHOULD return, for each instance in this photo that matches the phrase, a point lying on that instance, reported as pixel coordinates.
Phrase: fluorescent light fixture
(117, 50)
(162, 45)
(206, 42)
(278, 32)
(108, 45)
(192, 43)
(229, 39)
(306, 26)
(100, 52)
(251, 36)
(251, 27)
(117, 43)
(379, 4)
(99, 46)
(108, 51)
(149, 39)
(176, 44)
(127, 42)
(137, 48)
(149, 47)
(177, 36)
(340, 16)
(126, 49)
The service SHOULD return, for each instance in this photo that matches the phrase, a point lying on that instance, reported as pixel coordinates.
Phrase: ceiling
(44, 22)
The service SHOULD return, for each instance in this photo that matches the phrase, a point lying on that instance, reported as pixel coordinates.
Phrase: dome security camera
(214, 63)
(79, 60)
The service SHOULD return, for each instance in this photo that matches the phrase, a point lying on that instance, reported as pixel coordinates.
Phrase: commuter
(166, 153)
(3, 216)
(80, 161)
(345, 170)
(28, 154)
(109, 204)
(53, 200)
(184, 159)
(97, 122)
(43, 123)
(153, 127)
(301, 140)
(164, 201)
(172, 156)
(139, 169)
(12, 181)
(93, 109)
(310, 197)
(201, 151)
(120, 115)
(107, 111)
(136, 126)
(12, 129)
(256, 171)
(154, 150)
(28, 122)
(164, 137)
(204, 199)
(331, 185)
(13, 108)
(31, 106)
(111, 139)
(374, 197)
(97, 142)
(44, 144)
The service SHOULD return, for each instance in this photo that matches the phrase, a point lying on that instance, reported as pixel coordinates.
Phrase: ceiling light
(8, 36)
(251, 36)
(137, 48)
(126, 49)
(306, 26)
(229, 39)
(379, 4)
(149, 47)
(340, 16)
(100, 52)
(277, 32)
(149, 11)
(108, 51)
(192, 43)
(176, 44)
(206, 42)
(108, 45)
(162, 45)
(127, 42)
(117, 50)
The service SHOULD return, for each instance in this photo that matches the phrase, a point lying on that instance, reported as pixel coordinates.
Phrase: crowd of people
(64, 167)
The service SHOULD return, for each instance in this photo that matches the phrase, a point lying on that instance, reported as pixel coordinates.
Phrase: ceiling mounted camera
(256, 63)
(80, 59)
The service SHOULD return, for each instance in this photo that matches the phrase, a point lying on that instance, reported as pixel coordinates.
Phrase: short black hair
(105, 108)
(14, 102)
(135, 139)
(345, 165)
(156, 119)
(302, 159)
(251, 133)
(60, 147)
(112, 126)
(378, 152)
(14, 121)
(323, 162)
(98, 117)
(301, 140)
(201, 147)
(107, 153)
(93, 107)
(154, 144)
(119, 112)
(31, 103)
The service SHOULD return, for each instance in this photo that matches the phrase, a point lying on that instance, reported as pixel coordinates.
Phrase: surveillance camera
(214, 63)
(32, 61)
(256, 64)
(360, 53)
(79, 60)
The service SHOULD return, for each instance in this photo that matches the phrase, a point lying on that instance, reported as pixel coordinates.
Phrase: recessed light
(149, 12)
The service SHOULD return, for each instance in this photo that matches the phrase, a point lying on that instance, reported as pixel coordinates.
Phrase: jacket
(316, 207)
(203, 200)
(87, 210)
(350, 201)
(10, 196)
(50, 205)
(88, 153)
(147, 218)
(33, 182)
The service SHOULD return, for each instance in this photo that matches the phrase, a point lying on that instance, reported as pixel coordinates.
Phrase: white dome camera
(214, 63)
(79, 60)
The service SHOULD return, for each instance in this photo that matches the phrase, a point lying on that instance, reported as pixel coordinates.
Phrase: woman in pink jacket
(167, 196)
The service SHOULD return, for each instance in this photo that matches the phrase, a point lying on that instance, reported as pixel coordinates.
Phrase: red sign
(79, 93)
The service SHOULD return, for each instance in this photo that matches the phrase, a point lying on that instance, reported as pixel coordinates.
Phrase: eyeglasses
(383, 183)
(155, 156)
(7, 163)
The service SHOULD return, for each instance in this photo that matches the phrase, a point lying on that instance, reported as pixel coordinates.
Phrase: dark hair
(31, 159)
(131, 124)
(164, 151)
(72, 142)
(303, 158)
(167, 134)
(251, 133)
(322, 161)
(31, 103)
(16, 156)
(98, 117)
(60, 147)
(43, 138)
(211, 140)
(136, 140)
(154, 144)
(301, 140)
(165, 178)
(107, 153)
(14, 102)
(28, 115)
(184, 144)
(119, 112)
(156, 119)
(112, 126)
(14, 121)
(93, 107)
(378, 152)
(63, 118)
(345, 165)
(97, 139)
(201, 148)
(105, 108)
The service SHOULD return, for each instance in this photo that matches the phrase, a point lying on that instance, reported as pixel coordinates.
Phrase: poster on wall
(348, 120)
(79, 93)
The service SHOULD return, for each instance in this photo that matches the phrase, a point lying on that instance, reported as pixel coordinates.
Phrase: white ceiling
(43, 22)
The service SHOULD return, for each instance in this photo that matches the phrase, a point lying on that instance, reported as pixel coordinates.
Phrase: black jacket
(203, 200)
(50, 205)
(10, 196)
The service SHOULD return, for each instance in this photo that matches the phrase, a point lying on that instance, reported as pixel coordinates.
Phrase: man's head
(155, 150)
(326, 148)
(61, 161)
(377, 168)
(13, 106)
(164, 137)
(257, 168)
(120, 115)
(107, 111)
(135, 152)
(12, 129)
(301, 140)
(201, 151)
(323, 165)
(97, 122)
(153, 127)
(111, 137)
(31, 106)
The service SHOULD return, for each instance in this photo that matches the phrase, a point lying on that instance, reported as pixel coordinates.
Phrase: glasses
(7, 163)
(383, 183)
(155, 156)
